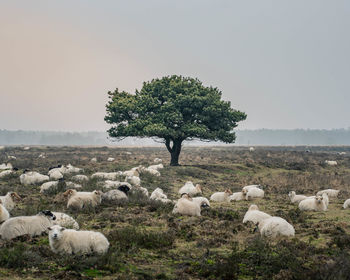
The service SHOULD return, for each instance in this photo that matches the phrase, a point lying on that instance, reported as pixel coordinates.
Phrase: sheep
(159, 195)
(26, 148)
(275, 226)
(144, 191)
(33, 178)
(106, 175)
(133, 180)
(47, 186)
(201, 201)
(11, 157)
(251, 149)
(253, 192)
(22, 225)
(342, 153)
(9, 200)
(331, 162)
(56, 175)
(93, 160)
(246, 188)
(60, 168)
(151, 171)
(190, 189)
(5, 166)
(73, 185)
(42, 156)
(79, 200)
(5, 173)
(156, 167)
(186, 206)
(325, 199)
(80, 178)
(119, 194)
(329, 192)
(108, 184)
(346, 203)
(254, 215)
(221, 196)
(71, 169)
(4, 214)
(316, 204)
(70, 241)
(65, 220)
(157, 160)
(131, 173)
(237, 196)
(296, 197)
(110, 159)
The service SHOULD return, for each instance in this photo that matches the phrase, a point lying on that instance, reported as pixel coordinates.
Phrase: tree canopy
(174, 109)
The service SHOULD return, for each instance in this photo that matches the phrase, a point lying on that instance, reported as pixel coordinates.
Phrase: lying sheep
(275, 226)
(93, 160)
(4, 214)
(296, 197)
(331, 162)
(71, 169)
(156, 167)
(253, 192)
(132, 172)
(237, 196)
(142, 190)
(119, 194)
(79, 200)
(9, 200)
(157, 160)
(221, 196)
(325, 199)
(313, 204)
(72, 185)
(33, 178)
(246, 188)
(110, 159)
(48, 186)
(106, 175)
(346, 203)
(5, 166)
(108, 184)
(151, 171)
(329, 192)
(254, 215)
(59, 168)
(158, 194)
(133, 180)
(70, 241)
(201, 201)
(251, 149)
(56, 175)
(80, 178)
(65, 220)
(11, 157)
(26, 225)
(190, 189)
(186, 206)
(5, 173)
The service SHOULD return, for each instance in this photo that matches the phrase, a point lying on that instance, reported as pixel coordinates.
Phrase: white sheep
(9, 200)
(151, 171)
(156, 167)
(254, 215)
(346, 203)
(70, 241)
(331, 162)
(134, 172)
(65, 220)
(275, 226)
(22, 225)
(93, 160)
(253, 192)
(157, 160)
(42, 155)
(133, 180)
(71, 169)
(26, 148)
(79, 200)
(56, 175)
(143, 190)
(73, 185)
(5, 166)
(329, 192)
(201, 201)
(221, 196)
(108, 184)
(113, 195)
(325, 199)
(61, 169)
(4, 214)
(5, 173)
(11, 157)
(158, 194)
(80, 178)
(190, 189)
(251, 149)
(237, 196)
(296, 197)
(48, 186)
(106, 175)
(110, 159)
(313, 204)
(246, 188)
(33, 178)
(186, 206)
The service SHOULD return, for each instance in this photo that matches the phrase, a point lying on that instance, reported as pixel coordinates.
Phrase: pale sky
(285, 63)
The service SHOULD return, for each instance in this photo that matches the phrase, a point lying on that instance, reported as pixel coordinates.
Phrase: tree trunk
(174, 150)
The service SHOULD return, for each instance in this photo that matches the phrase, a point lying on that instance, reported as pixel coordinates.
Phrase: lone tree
(173, 109)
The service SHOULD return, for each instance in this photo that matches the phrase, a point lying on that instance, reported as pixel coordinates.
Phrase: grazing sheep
(157, 160)
(65, 220)
(33, 178)
(346, 203)
(296, 197)
(313, 204)
(4, 214)
(5, 166)
(9, 200)
(254, 215)
(329, 192)
(253, 192)
(22, 225)
(80, 178)
(190, 189)
(79, 200)
(186, 206)
(237, 196)
(221, 196)
(70, 241)
(110, 159)
(106, 175)
(5, 173)
(56, 175)
(119, 194)
(133, 180)
(159, 195)
(275, 226)
(331, 162)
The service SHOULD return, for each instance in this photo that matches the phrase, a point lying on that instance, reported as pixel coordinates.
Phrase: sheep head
(98, 193)
(291, 194)
(199, 188)
(319, 199)
(228, 192)
(15, 196)
(253, 207)
(187, 196)
(69, 193)
(48, 214)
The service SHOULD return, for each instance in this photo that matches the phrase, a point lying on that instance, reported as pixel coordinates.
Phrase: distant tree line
(244, 137)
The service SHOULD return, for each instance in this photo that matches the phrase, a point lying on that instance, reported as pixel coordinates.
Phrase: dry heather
(148, 242)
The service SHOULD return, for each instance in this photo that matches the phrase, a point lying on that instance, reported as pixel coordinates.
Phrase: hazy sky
(285, 63)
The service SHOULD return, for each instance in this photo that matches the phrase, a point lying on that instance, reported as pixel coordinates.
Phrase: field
(149, 242)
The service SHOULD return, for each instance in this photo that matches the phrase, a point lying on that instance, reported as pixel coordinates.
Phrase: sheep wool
(190, 189)
(254, 215)
(253, 192)
(4, 214)
(331, 162)
(70, 241)
(33, 178)
(79, 200)
(48, 186)
(186, 206)
(80, 178)
(56, 175)
(5, 166)
(346, 203)
(221, 196)
(157, 160)
(106, 175)
(22, 225)
(8, 201)
(110, 159)
(313, 204)
(133, 180)
(201, 201)
(114, 195)
(237, 196)
(275, 226)
(329, 192)
(65, 220)
(158, 194)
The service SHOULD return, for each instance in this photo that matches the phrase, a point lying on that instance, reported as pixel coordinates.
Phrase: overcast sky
(285, 63)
